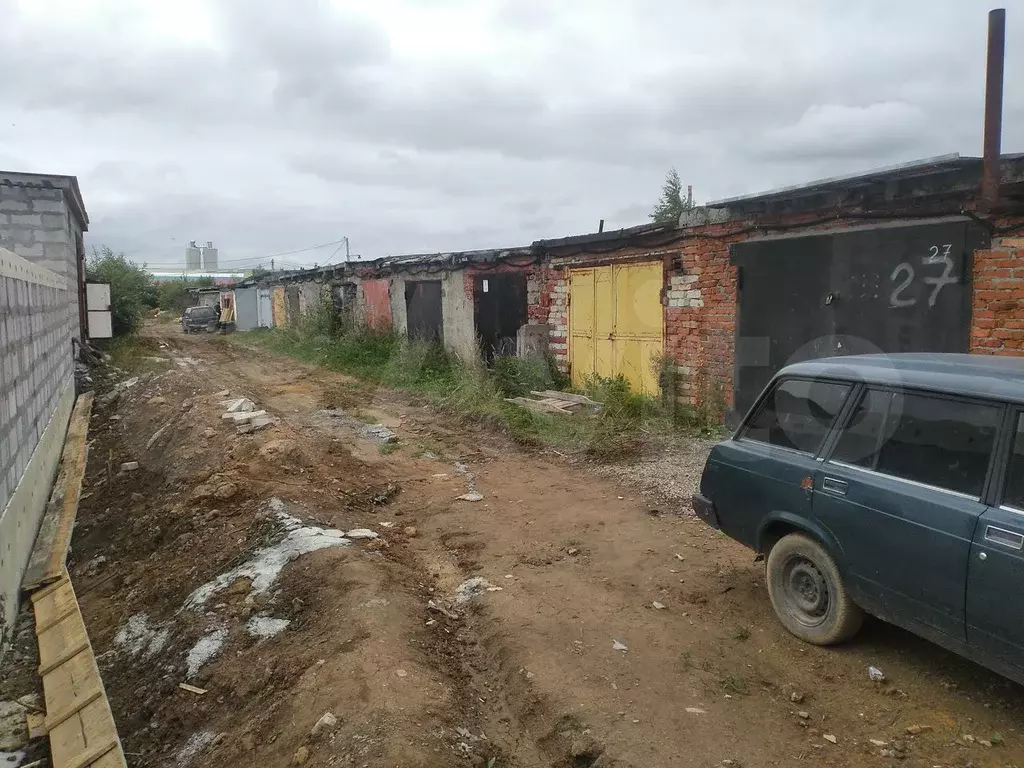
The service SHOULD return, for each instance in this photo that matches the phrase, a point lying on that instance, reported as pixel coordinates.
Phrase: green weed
(741, 633)
(623, 424)
(736, 684)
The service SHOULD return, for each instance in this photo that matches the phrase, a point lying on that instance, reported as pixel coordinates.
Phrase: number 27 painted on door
(937, 254)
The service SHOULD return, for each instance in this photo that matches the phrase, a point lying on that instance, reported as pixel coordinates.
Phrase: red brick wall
(997, 312)
(700, 296)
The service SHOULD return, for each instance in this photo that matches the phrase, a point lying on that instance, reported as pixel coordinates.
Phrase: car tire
(807, 592)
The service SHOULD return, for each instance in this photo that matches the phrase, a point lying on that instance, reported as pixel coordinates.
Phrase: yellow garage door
(615, 323)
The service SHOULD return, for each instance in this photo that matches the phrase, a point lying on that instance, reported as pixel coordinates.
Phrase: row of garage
(891, 262)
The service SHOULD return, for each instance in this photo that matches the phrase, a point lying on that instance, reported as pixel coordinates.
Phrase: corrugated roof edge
(1012, 166)
(453, 259)
(608, 235)
(69, 184)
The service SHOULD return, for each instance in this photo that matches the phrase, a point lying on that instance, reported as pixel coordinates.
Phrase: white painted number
(937, 254)
(895, 299)
(945, 278)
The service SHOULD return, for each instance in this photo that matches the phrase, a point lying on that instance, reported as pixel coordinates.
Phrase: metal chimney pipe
(600, 226)
(993, 107)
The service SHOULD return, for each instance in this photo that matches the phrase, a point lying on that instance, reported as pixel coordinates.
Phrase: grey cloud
(300, 122)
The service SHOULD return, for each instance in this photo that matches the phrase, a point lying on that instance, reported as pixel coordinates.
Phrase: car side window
(932, 440)
(797, 414)
(1013, 495)
(862, 436)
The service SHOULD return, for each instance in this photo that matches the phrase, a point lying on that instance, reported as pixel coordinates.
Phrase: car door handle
(834, 485)
(1004, 537)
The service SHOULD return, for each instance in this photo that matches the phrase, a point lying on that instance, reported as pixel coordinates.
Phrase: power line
(252, 259)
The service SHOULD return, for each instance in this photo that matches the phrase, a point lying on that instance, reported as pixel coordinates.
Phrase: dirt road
(562, 658)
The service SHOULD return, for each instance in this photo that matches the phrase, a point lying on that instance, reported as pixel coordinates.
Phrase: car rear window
(797, 414)
(932, 440)
(1013, 496)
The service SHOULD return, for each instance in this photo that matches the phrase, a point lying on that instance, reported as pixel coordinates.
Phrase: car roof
(987, 376)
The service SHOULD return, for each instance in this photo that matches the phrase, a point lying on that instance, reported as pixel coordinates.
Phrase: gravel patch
(672, 475)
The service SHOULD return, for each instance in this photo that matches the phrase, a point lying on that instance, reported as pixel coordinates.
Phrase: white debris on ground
(13, 730)
(266, 626)
(379, 434)
(362, 533)
(333, 417)
(266, 564)
(239, 405)
(471, 493)
(196, 743)
(242, 412)
(473, 587)
(206, 649)
(12, 759)
(138, 637)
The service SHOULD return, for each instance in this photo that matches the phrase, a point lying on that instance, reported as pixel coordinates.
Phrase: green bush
(174, 296)
(131, 288)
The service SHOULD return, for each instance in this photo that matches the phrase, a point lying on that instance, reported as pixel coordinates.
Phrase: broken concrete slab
(379, 434)
(239, 405)
(362, 533)
(242, 416)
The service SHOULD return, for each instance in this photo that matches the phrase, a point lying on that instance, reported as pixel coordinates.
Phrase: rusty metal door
(423, 308)
(615, 323)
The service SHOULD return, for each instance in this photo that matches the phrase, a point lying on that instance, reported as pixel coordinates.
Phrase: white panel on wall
(97, 297)
(99, 325)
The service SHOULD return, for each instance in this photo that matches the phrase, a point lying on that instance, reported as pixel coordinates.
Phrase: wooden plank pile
(552, 401)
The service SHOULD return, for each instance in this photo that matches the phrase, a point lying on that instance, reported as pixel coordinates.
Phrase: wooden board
(544, 406)
(569, 397)
(80, 725)
(50, 551)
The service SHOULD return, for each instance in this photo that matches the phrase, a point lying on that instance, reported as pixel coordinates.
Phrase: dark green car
(886, 484)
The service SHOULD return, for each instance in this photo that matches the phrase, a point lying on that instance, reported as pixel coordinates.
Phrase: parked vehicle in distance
(199, 319)
(886, 484)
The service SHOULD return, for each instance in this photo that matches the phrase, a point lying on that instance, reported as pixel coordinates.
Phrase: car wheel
(807, 592)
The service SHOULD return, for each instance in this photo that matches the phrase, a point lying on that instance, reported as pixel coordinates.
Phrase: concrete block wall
(456, 310)
(37, 224)
(36, 392)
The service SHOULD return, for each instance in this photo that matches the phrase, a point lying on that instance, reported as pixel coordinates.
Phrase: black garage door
(902, 287)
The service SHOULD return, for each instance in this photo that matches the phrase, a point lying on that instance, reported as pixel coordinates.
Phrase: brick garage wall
(548, 290)
(701, 292)
(36, 391)
(997, 312)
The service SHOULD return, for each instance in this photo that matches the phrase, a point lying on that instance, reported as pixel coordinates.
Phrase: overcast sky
(427, 125)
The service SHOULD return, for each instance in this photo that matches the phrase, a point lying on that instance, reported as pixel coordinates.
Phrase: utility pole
(993, 107)
(271, 265)
(346, 248)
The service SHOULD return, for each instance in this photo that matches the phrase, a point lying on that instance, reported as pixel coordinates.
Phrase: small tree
(672, 203)
(130, 287)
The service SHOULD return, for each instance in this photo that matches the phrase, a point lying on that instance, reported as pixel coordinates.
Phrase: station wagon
(885, 484)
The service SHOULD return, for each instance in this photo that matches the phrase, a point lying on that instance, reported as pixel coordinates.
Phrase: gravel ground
(672, 474)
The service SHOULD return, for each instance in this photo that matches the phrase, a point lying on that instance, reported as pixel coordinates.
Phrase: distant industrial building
(192, 257)
(200, 257)
(209, 257)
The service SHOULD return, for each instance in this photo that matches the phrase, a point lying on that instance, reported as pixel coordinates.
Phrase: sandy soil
(564, 662)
